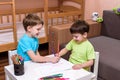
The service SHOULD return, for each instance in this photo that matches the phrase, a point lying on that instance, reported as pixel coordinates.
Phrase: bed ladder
(13, 26)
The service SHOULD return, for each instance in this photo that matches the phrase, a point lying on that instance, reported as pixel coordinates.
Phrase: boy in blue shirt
(28, 44)
(82, 51)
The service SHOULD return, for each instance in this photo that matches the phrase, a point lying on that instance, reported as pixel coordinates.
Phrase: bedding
(6, 36)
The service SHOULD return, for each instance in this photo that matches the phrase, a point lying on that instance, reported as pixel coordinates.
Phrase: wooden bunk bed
(11, 28)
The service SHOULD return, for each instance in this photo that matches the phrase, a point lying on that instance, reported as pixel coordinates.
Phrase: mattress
(6, 36)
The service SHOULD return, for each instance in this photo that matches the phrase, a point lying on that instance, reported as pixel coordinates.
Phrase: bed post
(83, 9)
(59, 4)
(46, 17)
(14, 23)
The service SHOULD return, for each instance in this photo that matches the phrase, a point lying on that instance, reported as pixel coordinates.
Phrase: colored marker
(52, 76)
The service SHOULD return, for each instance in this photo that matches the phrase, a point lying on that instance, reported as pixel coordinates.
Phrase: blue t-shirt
(25, 44)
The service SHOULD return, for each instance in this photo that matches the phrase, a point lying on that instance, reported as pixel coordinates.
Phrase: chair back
(95, 67)
(10, 53)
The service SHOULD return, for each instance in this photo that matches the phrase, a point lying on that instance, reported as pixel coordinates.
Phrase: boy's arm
(62, 52)
(38, 58)
(84, 65)
(38, 53)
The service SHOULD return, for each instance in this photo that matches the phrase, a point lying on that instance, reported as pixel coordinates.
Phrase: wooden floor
(3, 62)
(43, 49)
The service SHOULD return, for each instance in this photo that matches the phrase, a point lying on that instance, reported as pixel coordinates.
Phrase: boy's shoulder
(88, 43)
(24, 38)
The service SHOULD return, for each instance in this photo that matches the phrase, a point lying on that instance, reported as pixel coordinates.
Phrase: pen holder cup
(19, 69)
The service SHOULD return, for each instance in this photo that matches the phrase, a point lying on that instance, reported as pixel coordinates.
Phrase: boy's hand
(57, 55)
(54, 59)
(77, 66)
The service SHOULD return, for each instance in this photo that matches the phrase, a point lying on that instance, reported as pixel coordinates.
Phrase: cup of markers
(18, 62)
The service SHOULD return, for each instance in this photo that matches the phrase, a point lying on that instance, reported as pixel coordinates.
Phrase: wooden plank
(68, 8)
(5, 3)
(6, 27)
(3, 64)
(12, 45)
(43, 40)
(3, 60)
(60, 15)
(7, 46)
(2, 76)
(76, 1)
(28, 10)
(8, 12)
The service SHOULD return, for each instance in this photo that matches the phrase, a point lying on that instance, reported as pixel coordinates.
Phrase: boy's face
(79, 37)
(35, 30)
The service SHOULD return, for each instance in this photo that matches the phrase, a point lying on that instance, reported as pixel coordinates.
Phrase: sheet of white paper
(49, 68)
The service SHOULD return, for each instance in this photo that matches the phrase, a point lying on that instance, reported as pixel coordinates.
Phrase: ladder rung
(6, 27)
(4, 3)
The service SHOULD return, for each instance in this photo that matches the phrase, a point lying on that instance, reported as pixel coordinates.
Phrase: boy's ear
(28, 28)
(85, 35)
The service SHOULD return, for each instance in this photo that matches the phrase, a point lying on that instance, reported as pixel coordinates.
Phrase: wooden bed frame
(51, 15)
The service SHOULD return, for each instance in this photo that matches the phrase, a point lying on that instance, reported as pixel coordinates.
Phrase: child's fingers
(57, 55)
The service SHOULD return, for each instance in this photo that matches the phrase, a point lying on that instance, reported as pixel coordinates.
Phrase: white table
(34, 71)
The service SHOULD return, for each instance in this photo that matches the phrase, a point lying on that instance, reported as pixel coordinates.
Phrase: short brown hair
(31, 20)
(79, 26)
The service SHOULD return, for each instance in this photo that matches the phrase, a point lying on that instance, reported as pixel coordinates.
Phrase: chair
(95, 67)
(10, 53)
